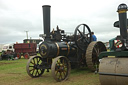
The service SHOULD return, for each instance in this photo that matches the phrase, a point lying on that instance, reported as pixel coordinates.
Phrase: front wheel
(34, 66)
(60, 68)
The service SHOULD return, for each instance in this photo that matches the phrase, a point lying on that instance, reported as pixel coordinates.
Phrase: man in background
(93, 37)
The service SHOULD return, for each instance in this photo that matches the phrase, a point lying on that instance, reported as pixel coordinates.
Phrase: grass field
(14, 73)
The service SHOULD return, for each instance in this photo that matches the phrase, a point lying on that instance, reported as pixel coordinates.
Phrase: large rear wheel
(92, 53)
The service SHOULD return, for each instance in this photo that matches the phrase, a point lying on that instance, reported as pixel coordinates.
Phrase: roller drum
(113, 71)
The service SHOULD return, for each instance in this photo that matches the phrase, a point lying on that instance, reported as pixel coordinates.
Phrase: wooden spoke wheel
(92, 53)
(33, 67)
(60, 68)
(18, 55)
(26, 56)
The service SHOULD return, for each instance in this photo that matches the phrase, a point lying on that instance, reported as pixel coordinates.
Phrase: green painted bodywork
(113, 53)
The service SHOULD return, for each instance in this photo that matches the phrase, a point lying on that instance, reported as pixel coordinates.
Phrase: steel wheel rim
(60, 68)
(92, 53)
(32, 67)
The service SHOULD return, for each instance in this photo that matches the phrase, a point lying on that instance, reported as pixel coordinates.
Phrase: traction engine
(60, 51)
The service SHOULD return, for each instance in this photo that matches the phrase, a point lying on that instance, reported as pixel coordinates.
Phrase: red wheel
(18, 55)
(26, 56)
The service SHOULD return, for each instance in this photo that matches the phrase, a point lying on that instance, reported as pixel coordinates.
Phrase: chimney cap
(122, 7)
(46, 6)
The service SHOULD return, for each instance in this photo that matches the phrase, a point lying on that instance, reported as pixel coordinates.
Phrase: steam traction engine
(61, 52)
(114, 70)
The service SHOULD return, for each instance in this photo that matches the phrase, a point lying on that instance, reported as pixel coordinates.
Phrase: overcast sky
(18, 16)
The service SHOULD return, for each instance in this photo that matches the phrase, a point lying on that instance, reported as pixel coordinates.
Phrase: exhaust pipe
(122, 10)
(46, 21)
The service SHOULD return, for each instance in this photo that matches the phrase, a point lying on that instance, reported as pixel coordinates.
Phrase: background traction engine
(61, 52)
(114, 70)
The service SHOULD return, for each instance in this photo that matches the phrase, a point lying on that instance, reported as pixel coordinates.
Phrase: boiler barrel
(54, 49)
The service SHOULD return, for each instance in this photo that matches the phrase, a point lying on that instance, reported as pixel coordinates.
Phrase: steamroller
(114, 70)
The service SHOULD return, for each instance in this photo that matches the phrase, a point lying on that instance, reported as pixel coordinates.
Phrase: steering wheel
(82, 36)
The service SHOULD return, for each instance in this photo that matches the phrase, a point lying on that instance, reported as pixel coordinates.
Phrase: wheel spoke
(83, 30)
(79, 31)
(63, 63)
(56, 73)
(31, 66)
(96, 50)
(58, 62)
(64, 73)
(79, 39)
(96, 53)
(37, 73)
(38, 60)
(34, 61)
(31, 70)
(60, 76)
